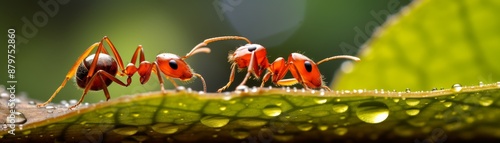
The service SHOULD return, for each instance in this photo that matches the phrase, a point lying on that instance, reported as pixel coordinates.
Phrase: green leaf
(279, 115)
(430, 43)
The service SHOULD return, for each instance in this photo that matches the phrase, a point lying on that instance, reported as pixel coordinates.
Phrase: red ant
(253, 57)
(98, 73)
(303, 69)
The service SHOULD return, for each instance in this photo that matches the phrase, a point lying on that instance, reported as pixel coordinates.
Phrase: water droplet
(498, 83)
(165, 111)
(412, 112)
(412, 102)
(242, 89)
(126, 131)
(222, 108)
(305, 127)
(252, 123)
(50, 108)
(372, 112)
(135, 115)
(214, 121)
(272, 110)
(322, 92)
(456, 87)
(447, 104)
(109, 114)
(340, 131)
(323, 127)
(485, 101)
(340, 108)
(396, 100)
(19, 118)
(165, 128)
(481, 84)
(180, 88)
(73, 101)
(434, 89)
(320, 100)
(407, 90)
(240, 133)
(31, 102)
(312, 91)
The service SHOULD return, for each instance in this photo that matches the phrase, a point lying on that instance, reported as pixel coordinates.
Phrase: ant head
(305, 70)
(173, 66)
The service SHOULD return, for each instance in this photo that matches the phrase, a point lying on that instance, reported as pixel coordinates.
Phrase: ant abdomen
(105, 62)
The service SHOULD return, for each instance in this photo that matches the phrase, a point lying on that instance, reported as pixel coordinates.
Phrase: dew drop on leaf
(447, 104)
(50, 108)
(272, 110)
(456, 87)
(412, 102)
(214, 121)
(485, 101)
(19, 118)
(320, 100)
(340, 108)
(372, 112)
(412, 112)
(305, 127)
(126, 131)
(165, 128)
(340, 131)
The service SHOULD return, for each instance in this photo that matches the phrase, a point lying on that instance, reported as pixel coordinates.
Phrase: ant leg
(155, 70)
(99, 74)
(326, 88)
(173, 81)
(231, 78)
(71, 73)
(203, 80)
(250, 69)
(115, 52)
(265, 78)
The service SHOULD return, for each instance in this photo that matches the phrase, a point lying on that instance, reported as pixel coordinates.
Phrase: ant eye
(251, 49)
(172, 64)
(308, 66)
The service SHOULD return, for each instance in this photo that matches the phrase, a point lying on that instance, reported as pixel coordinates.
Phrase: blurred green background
(314, 28)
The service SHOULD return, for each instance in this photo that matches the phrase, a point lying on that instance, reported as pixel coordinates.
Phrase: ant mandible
(303, 69)
(98, 71)
(253, 57)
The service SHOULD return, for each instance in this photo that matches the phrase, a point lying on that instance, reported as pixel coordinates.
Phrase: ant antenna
(339, 57)
(214, 39)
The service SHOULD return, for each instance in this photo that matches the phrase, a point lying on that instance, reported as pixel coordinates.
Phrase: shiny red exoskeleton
(98, 71)
(304, 70)
(252, 57)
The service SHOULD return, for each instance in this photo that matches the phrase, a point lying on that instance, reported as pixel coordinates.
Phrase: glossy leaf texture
(463, 113)
(430, 43)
